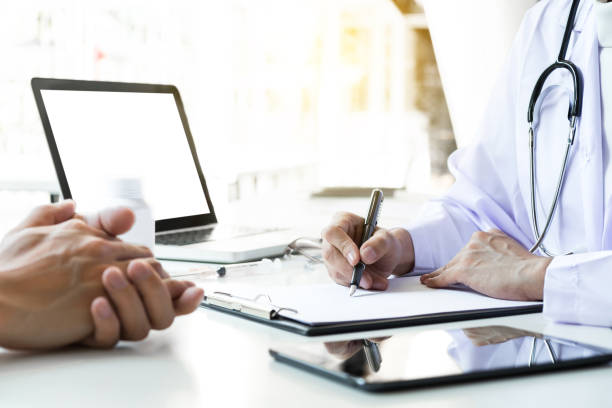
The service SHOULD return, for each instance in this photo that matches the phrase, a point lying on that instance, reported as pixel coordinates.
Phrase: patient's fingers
(154, 294)
(188, 301)
(49, 214)
(134, 320)
(176, 287)
(106, 325)
(114, 221)
(122, 251)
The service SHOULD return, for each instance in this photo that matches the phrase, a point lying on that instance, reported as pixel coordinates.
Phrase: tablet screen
(438, 356)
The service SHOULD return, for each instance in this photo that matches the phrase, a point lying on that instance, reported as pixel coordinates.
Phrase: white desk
(212, 359)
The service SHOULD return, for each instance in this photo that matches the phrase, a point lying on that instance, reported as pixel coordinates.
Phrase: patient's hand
(66, 279)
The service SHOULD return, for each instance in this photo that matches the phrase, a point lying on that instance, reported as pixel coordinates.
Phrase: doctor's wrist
(406, 251)
(534, 282)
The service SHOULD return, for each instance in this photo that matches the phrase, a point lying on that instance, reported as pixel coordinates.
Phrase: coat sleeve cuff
(423, 253)
(560, 288)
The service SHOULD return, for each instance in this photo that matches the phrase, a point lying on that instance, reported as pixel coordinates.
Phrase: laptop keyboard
(207, 234)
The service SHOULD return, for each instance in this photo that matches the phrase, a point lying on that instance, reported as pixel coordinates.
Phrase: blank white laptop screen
(103, 136)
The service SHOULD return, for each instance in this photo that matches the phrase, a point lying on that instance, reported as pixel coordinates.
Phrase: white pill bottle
(127, 192)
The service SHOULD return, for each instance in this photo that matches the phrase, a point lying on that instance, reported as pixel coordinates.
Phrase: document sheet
(330, 303)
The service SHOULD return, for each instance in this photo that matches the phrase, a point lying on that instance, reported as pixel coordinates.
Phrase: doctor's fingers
(350, 223)
(339, 239)
(441, 278)
(379, 245)
(380, 280)
(339, 269)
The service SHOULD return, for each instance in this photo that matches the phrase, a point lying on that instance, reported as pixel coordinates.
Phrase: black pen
(368, 229)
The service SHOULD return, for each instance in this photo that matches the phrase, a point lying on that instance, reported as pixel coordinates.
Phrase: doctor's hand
(496, 265)
(387, 252)
(483, 336)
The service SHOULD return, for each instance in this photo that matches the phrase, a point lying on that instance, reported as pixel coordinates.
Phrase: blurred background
(283, 96)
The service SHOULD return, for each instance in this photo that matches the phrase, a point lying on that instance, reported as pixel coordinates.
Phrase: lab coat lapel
(590, 156)
(538, 56)
(586, 154)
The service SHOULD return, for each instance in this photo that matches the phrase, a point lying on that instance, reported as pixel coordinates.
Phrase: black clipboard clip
(252, 307)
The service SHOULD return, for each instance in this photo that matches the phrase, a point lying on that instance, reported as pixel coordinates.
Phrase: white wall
(471, 40)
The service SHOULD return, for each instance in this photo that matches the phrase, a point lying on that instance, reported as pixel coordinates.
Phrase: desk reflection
(473, 349)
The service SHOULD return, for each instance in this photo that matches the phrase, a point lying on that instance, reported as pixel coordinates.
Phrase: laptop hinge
(174, 231)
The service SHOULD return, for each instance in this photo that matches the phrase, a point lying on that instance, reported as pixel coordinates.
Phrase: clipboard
(262, 310)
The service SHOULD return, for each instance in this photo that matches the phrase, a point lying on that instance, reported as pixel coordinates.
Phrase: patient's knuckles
(98, 248)
(75, 224)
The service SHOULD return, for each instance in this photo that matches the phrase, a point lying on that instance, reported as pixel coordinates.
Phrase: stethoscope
(573, 114)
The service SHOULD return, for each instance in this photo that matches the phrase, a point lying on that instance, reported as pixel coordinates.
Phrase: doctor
(480, 233)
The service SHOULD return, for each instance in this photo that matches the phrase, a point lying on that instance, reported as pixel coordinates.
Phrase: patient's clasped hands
(66, 279)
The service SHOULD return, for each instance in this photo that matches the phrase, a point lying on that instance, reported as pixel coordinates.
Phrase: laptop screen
(103, 136)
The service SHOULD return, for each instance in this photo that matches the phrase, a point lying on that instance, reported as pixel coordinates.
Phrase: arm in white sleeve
(486, 193)
(577, 289)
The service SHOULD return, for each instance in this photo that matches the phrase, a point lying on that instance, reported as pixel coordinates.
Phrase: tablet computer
(438, 357)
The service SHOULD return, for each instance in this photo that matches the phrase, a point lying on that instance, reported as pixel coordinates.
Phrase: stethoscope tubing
(575, 111)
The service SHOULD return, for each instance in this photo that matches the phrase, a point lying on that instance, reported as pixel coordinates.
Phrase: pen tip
(352, 290)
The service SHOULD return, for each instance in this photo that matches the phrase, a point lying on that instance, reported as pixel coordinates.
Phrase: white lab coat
(492, 187)
(511, 353)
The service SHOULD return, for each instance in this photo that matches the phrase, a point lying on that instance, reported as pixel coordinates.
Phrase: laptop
(99, 131)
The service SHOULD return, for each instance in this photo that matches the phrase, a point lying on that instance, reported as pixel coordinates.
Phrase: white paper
(405, 297)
